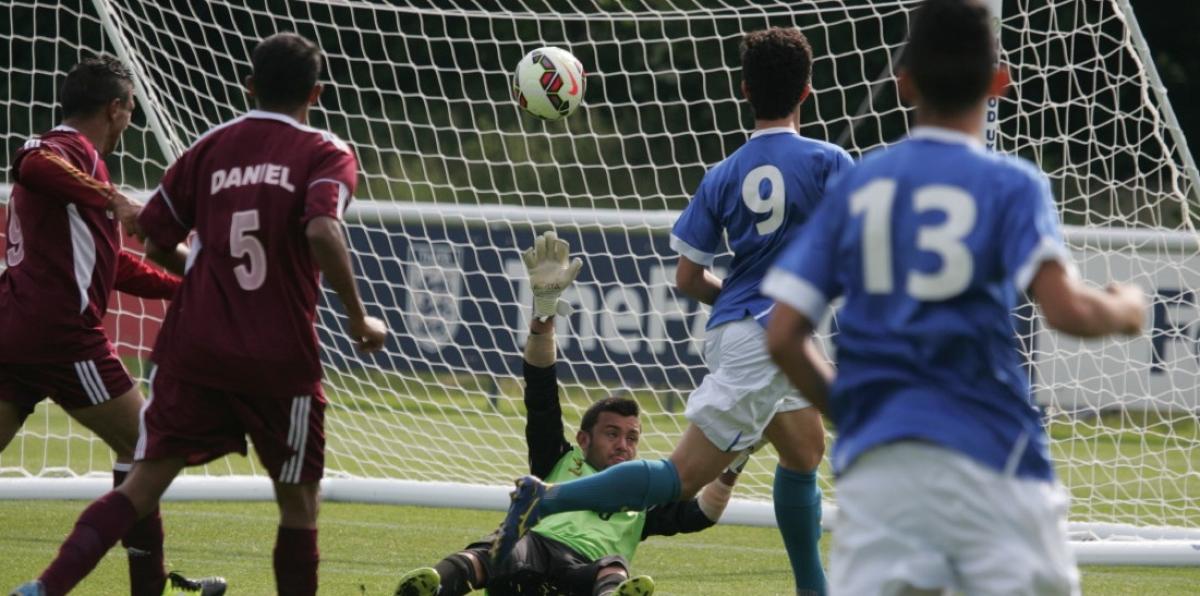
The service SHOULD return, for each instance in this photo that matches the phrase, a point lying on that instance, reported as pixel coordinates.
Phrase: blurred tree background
(421, 89)
(1176, 55)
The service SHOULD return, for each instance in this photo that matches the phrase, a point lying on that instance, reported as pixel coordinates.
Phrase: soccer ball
(549, 83)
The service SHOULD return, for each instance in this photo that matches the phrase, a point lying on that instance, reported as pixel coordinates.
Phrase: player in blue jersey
(757, 197)
(943, 474)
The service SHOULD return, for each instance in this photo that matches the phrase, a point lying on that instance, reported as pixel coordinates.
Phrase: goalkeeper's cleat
(419, 582)
(30, 588)
(522, 516)
(204, 586)
(640, 585)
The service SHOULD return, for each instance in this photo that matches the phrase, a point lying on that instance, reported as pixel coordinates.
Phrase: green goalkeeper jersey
(592, 534)
(553, 459)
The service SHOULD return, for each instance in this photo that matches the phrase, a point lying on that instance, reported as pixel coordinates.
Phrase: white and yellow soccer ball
(549, 83)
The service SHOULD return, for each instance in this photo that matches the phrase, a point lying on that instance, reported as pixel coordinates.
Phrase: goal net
(454, 181)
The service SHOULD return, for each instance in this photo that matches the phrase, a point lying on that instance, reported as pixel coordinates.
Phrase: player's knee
(804, 456)
(461, 573)
(123, 445)
(115, 422)
(608, 578)
(299, 504)
(477, 567)
(612, 570)
(293, 516)
(121, 440)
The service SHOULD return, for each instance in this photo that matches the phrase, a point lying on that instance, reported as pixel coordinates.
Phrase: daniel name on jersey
(263, 173)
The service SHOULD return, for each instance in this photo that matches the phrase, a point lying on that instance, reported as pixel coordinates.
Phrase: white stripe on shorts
(139, 451)
(87, 382)
(104, 394)
(297, 437)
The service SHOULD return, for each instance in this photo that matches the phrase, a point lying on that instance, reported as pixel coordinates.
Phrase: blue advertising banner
(456, 299)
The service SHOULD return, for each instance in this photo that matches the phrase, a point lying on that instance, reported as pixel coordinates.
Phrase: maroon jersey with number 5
(243, 319)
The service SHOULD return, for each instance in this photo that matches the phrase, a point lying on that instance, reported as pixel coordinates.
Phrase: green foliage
(422, 91)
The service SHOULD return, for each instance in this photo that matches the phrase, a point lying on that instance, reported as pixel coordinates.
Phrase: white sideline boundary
(1093, 543)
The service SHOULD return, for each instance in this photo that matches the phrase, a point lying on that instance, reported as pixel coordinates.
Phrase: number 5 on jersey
(251, 274)
(875, 201)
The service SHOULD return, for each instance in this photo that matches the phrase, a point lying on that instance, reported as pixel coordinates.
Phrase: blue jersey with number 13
(931, 242)
(757, 196)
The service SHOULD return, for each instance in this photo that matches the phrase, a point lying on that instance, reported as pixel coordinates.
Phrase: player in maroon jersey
(237, 353)
(63, 258)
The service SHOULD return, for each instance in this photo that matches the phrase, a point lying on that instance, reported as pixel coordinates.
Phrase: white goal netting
(455, 180)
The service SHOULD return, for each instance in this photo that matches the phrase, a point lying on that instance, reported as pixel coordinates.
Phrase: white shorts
(917, 515)
(743, 389)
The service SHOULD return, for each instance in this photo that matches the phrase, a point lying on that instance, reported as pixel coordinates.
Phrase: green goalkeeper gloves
(550, 274)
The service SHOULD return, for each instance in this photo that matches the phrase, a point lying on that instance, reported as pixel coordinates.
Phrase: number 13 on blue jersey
(875, 203)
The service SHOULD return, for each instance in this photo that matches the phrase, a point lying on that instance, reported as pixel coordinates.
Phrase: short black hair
(93, 84)
(618, 405)
(776, 66)
(951, 53)
(286, 67)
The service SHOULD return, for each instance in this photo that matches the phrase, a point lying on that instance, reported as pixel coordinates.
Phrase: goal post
(455, 181)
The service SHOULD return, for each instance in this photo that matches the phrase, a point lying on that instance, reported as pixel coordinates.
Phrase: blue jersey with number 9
(757, 197)
(931, 242)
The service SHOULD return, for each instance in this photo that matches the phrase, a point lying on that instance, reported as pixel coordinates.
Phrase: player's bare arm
(789, 340)
(327, 243)
(126, 209)
(1072, 307)
(697, 281)
(540, 348)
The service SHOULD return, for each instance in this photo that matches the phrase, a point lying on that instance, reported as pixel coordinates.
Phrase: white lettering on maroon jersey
(264, 173)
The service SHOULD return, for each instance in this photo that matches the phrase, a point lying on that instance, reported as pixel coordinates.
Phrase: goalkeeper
(577, 553)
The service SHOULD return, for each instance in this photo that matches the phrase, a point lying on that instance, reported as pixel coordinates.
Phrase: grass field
(365, 547)
(1122, 468)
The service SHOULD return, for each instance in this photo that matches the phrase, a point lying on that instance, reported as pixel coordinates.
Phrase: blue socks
(629, 486)
(798, 513)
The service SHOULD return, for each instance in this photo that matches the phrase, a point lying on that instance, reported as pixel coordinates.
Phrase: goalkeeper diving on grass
(753, 201)
(581, 552)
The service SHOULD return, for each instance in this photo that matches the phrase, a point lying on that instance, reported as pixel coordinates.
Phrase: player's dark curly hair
(93, 84)
(618, 405)
(951, 54)
(286, 67)
(777, 66)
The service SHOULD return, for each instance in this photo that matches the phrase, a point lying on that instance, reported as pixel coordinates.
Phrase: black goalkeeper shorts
(542, 566)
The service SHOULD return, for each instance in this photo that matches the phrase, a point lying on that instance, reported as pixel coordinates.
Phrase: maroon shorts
(200, 424)
(72, 385)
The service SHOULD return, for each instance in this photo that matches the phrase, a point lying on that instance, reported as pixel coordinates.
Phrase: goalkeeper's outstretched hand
(550, 273)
